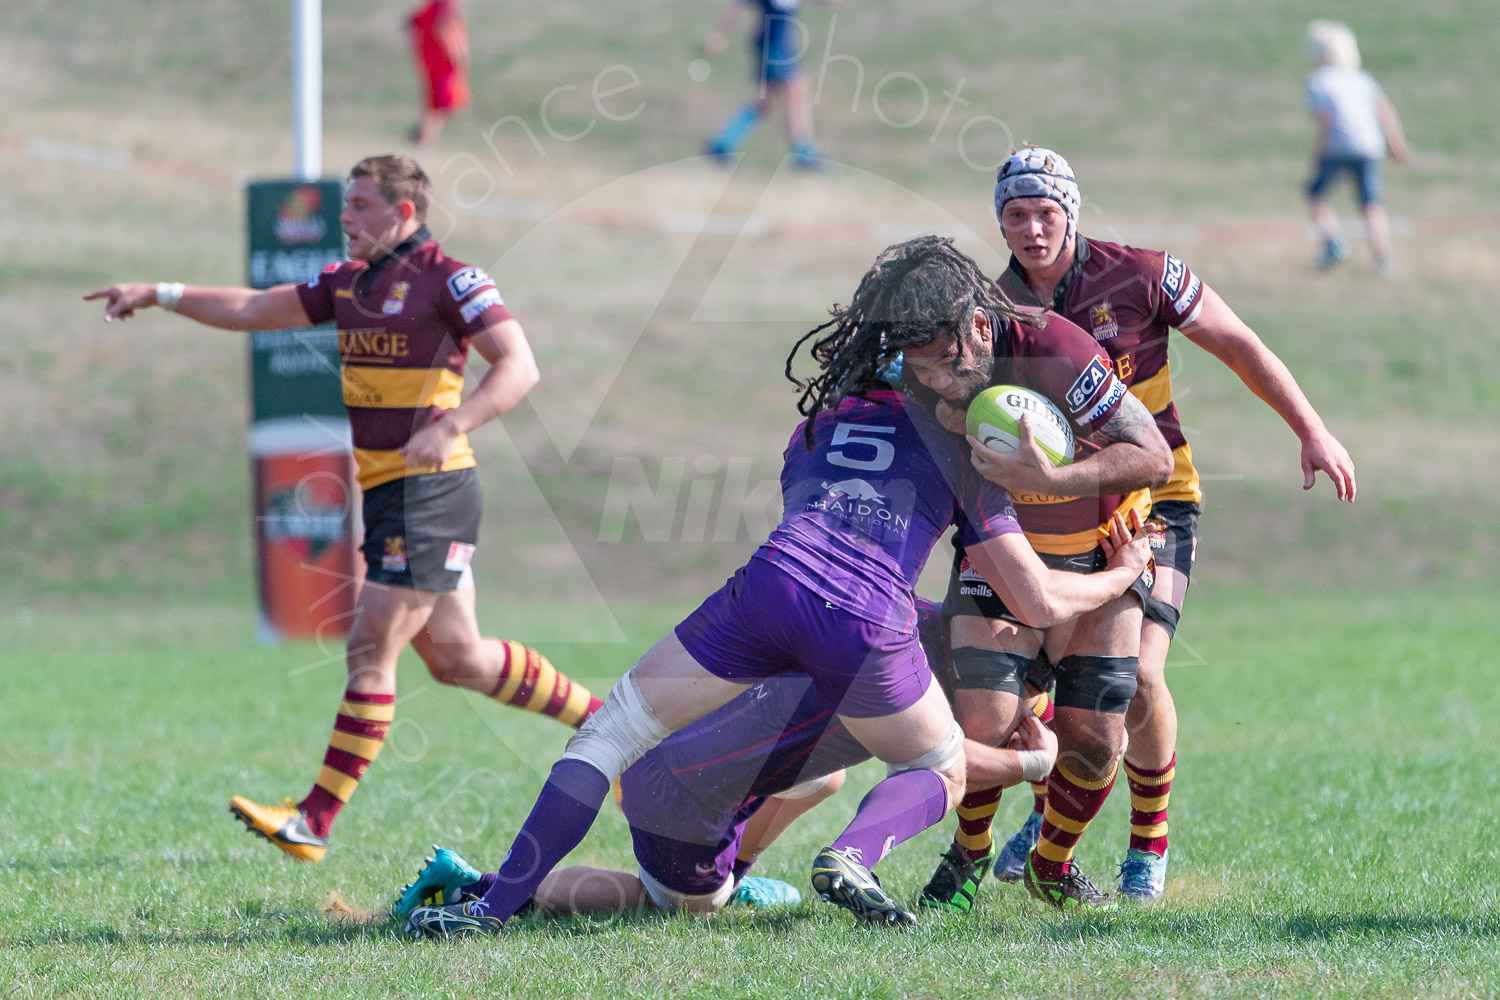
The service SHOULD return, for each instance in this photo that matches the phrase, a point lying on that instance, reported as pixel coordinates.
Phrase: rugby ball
(995, 419)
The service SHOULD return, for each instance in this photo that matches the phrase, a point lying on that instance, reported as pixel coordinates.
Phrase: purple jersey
(696, 782)
(864, 505)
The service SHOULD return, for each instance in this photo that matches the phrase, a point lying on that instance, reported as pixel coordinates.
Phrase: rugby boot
(1143, 875)
(284, 825)
(1070, 892)
(442, 880)
(760, 893)
(452, 920)
(1010, 863)
(956, 882)
(844, 882)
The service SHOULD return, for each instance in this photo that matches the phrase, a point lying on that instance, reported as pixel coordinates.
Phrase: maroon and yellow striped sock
(358, 734)
(1072, 802)
(1149, 792)
(976, 815)
(529, 681)
(1043, 711)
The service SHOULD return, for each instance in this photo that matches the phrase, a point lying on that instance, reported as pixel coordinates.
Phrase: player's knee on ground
(947, 759)
(619, 733)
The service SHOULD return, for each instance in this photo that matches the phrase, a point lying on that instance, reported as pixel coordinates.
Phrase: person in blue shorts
(1357, 124)
(870, 481)
(776, 48)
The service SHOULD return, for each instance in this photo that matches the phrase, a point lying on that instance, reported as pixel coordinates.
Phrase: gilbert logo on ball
(995, 419)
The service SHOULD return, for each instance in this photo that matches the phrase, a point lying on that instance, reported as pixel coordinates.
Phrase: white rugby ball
(995, 419)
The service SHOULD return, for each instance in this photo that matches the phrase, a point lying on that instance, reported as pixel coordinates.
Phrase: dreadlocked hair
(915, 292)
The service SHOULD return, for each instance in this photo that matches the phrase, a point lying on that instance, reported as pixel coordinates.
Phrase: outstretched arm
(227, 308)
(1224, 335)
(1041, 597)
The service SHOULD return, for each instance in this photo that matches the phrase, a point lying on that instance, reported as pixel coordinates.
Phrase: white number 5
(857, 435)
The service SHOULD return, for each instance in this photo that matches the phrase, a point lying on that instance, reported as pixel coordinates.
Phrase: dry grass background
(122, 464)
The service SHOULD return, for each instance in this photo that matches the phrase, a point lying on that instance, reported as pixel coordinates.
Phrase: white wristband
(168, 294)
(1035, 764)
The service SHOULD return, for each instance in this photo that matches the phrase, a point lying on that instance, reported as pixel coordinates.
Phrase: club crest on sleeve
(479, 303)
(461, 283)
(1087, 383)
(1171, 276)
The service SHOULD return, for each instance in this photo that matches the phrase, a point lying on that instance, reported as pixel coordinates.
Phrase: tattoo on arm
(1132, 423)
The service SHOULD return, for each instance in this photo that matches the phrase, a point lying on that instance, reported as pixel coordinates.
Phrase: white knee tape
(943, 757)
(619, 733)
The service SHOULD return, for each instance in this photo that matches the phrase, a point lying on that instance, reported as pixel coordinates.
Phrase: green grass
(1332, 825)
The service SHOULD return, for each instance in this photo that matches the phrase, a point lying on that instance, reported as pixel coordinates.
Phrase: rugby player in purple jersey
(869, 483)
(706, 801)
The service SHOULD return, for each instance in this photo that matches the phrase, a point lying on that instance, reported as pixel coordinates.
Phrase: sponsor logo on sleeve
(479, 303)
(1087, 384)
(313, 281)
(1171, 276)
(1185, 303)
(1114, 395)
(461, 283)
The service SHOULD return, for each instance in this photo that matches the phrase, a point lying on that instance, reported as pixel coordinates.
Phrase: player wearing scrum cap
(1130, 299)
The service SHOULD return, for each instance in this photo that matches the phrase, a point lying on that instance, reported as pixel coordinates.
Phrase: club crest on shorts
(393, 559)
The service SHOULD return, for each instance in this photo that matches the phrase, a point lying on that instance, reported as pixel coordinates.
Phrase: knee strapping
(944, 757)
(975, 668)
(620, 733)
(1096, 683)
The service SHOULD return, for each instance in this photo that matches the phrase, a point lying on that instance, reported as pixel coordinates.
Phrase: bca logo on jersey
(1171, 276)
(1087, 384)
(463, 282)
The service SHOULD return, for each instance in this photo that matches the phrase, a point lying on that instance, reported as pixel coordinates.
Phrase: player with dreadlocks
(957, 333)
(867, 489)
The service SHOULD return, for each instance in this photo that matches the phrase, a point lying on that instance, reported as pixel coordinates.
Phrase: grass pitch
(1332, 827)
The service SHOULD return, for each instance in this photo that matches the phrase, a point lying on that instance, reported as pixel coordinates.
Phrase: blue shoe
(441, 880)
(805, 156)
(760, 893)
(1143, 875)
(1010, 865)
(1334, 252)
(841, 879)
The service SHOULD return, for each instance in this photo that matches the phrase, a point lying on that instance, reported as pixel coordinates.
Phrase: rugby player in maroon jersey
(407, 316)
(1065, 514)
(1130, 299)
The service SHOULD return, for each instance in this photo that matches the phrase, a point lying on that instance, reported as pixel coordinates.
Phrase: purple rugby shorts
(763, 623)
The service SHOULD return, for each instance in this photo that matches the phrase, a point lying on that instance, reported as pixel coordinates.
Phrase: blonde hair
(1331, 43)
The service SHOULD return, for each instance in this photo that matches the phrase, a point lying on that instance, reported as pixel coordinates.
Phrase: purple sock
(563, 813)
(897, 809)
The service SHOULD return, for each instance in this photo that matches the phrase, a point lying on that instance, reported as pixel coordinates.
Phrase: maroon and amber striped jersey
(1061, 362)
(404, 325)
(1130, 299)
